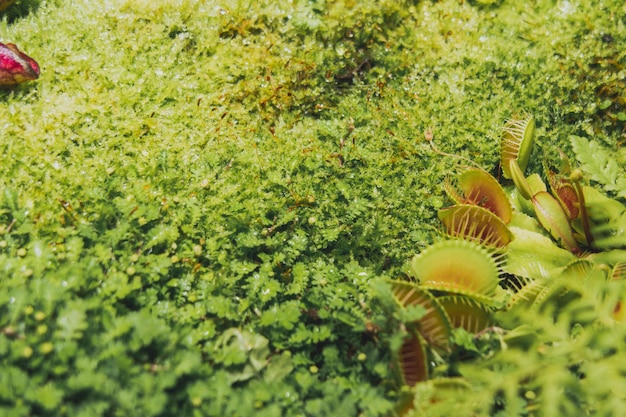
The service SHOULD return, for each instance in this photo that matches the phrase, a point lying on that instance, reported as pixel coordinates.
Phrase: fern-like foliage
(601, 164)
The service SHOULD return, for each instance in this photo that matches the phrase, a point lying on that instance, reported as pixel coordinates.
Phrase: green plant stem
(584, 216)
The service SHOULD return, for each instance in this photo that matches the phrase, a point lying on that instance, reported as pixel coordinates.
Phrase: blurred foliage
(196, 196)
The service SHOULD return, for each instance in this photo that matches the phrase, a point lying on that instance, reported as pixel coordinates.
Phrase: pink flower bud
(15, 66)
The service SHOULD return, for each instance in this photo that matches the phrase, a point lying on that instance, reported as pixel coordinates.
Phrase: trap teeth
(458, 267)
(517, 143)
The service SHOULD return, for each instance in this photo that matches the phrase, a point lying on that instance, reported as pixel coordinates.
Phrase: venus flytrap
(578, 219)
(482, 210)
(516, 147)
(573, 214)
(518, 136)
(450, 296)
(150, 127)
(460, 281)
(549, 212)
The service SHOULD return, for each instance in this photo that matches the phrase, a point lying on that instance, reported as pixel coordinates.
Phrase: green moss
(185, 168)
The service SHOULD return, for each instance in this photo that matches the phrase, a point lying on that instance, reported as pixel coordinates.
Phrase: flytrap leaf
(412, 360)
(565, 192)
(619, 271)
(531, 295)
(476, 224)
(457, 266)
(552, 217)
(534, 292)
(534, 255)
(434, 325)
(465, 312)
(577, 270)
(607, 220)
(516, 143)
(480, 188)
(519, 179)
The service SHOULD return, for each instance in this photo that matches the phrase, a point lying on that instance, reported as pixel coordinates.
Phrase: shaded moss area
(196, 196)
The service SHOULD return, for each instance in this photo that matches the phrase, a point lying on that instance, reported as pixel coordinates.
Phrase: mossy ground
(197, 195)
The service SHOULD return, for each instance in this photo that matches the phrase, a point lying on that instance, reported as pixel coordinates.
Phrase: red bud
(15, 66)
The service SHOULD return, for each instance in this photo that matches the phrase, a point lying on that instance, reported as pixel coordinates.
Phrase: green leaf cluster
(603, 166)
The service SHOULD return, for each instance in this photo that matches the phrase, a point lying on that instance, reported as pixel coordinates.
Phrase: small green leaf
(600, 164)
(48, 396)
(605, 104)
(10, 198)
(72, 322)
(278, 368)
